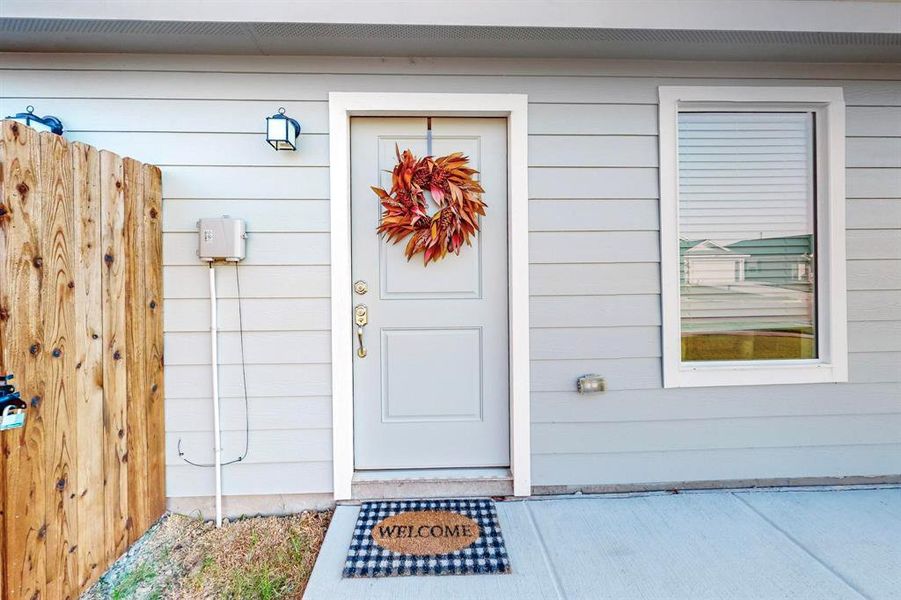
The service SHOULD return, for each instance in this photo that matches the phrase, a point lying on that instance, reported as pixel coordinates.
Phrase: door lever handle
(361, 351)
(361, 317)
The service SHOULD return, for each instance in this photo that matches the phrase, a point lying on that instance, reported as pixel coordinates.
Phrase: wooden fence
(81, 329)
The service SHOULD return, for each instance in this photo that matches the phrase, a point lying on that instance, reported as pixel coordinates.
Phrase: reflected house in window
(709, 263)
(786, 259)
(762, 288)
(780, 260)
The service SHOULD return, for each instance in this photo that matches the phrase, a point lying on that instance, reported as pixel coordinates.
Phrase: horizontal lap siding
(729, 464)
(542, 88)
(269, 446)
(258, 314)
(249, 479)
(707, 434)
(260, 281)
(594, 263)
(638, 432)
(261, 347)
(285, 249)
(263, 380)
(288, 412)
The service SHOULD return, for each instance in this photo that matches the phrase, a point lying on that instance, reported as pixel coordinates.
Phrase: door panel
(457, 278)
(455, 390)
(432, 389)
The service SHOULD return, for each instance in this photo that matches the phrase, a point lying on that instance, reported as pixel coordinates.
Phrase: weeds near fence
(259, 558)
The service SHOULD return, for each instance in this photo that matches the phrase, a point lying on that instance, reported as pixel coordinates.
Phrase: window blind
(746, 228)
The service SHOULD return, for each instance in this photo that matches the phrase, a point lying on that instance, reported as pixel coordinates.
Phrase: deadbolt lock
(360, 287)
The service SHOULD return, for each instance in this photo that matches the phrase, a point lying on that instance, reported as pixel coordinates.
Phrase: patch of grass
(186, 558)
(258, 558)
(261, 584)
(129, 584)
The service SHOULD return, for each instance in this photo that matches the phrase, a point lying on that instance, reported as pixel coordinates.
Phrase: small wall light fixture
(591, 384)
(282, 131)
(46, 123)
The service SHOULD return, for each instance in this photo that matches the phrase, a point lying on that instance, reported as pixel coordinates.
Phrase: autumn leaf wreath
(405, 211)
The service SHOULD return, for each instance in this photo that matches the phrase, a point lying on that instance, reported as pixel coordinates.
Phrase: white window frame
(828, 106)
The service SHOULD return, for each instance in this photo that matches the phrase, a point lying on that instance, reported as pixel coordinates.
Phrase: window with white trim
(752, 235)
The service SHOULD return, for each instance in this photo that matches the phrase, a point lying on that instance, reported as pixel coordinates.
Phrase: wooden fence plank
(89, 365)
(112, 200)
(134, 351)
(4, 360)
(153, 317)
(58, 310)
(23, 449)
(3, 594)
(81, 327)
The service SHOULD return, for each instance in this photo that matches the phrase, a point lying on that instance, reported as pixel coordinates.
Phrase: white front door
(432, 390)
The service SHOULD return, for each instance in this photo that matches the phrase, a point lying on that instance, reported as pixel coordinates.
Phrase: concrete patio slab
(856, 534)
(824, 543)
(679, 546)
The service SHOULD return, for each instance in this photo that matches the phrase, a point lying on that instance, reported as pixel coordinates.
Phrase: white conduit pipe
(214, 349)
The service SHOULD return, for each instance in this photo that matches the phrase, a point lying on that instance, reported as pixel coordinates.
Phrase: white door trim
(342, 106)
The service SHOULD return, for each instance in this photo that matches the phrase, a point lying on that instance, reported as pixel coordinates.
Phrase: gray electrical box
(222, 238)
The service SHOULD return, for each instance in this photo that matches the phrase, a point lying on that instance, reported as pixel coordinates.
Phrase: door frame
(513, 107)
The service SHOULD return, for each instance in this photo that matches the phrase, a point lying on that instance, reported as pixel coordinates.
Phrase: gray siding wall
(594, 254)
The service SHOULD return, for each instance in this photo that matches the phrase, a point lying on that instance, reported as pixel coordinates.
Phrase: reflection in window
(746, 229)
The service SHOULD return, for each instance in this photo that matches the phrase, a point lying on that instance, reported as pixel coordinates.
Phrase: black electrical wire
(243, 455)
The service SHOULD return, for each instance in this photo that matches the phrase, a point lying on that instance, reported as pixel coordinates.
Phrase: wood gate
(81, 329)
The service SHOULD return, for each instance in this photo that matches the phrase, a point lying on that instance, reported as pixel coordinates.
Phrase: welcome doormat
(427, 537)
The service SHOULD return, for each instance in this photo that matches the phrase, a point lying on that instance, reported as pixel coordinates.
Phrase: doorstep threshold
(432, 474)
(431, 483)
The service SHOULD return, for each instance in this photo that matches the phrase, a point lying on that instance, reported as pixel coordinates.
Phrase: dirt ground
(187, 558)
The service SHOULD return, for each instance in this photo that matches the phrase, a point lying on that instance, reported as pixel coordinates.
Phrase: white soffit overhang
(814, 30)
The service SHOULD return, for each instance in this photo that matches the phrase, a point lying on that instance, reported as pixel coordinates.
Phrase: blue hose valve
(12, 407)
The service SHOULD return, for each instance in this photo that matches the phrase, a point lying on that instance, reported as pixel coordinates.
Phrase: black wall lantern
(282, 131)
(47, 123)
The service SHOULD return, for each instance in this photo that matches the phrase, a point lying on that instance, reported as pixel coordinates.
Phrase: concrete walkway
(812, 543)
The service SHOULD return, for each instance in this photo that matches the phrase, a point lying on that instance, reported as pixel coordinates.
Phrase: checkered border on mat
(486, 555)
